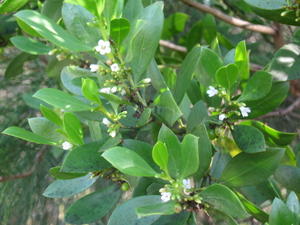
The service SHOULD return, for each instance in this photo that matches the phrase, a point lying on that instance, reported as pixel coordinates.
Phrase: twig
(283, 112)
(179, 48)
(38, 158)
(230, 19)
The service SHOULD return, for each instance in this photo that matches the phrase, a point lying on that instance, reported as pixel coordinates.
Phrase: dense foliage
(164, 137)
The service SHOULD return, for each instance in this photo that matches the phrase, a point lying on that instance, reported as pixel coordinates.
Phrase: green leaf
(224, 200)
(174, 24)
(227, 77)
(209, 63)
(30, 46)
(197, 116)
(160, 155)
(145, 35)
(127, 211)
(133, 9)
(51, 31)
(244, 168)
(90, 90)
(174, 149)
(67, 188)
(186, 73)
(51, 115)
(289, 177)
(119, 29)
(56, 173)
(73, 128)
(15, 67)
(96, 6)
(167, 208)
(249, 139)
(61, 100)
(85, 158)
(257, 87)
(280, 214)
(252, 209)
(94, 206)
(27, 136)
(293, 204)
(8, 6)
(242, 60)
(128, 162)
(189, 155)
(175, 219)
(76, 19)
(267, 104)
(52, 9)
(45, 128)
(272, 135)
(166, 108)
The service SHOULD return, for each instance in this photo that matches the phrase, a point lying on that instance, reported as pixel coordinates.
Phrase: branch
(230, 19)
(283, 112)
(179, 48)
(38, 158)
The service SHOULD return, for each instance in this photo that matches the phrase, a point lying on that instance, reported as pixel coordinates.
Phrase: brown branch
(179, 48)
(230, 19)
(283, 112)
(37, 160)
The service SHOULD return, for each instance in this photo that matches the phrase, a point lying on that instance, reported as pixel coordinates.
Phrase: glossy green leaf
(94, 206)
(30, 46)
(223, 199)
(242, 60)
(27, 136)
(127, 211)
(8, 6)
(85, 158)
(51, 115)
(51, 31)
(257, 87)
(128, 162)
(271, 101)
(197, 116)
(244, 168)
(45, 128)
(186, 73)
(288, 177)
(227, 76)
(189, 155)
(132, 9)
(174, 24)
(61, 100)
(160, 155)
(167, 208)
(249, 139)
(52, 9)
(76, 19)
(96, 6)
(175, 219)
(56, 173)
(293, 204)
(67, 188)
(73, 128)
(166, 108)
(90, 90)
(280, 214)
(119, 29)
(272, 135)
(145, 35)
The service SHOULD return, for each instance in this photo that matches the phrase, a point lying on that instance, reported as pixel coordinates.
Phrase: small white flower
(113, 133)
(212, 91)
(106, 122)
(165, 196)
(245, 111)
(115, 67)
(187, 183)
(123, 92)
(113, 90)
(66, 145)
(94, 67)
(222, 117)
(146, 80)
(103, 47)
(106, 90)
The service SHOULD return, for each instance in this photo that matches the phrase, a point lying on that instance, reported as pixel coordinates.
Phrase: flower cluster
(244, 110)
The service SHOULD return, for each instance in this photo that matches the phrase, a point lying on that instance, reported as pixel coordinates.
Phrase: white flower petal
(66, 145)
(245, 111)
(165, 196)
(106, 90)
(94, 67)
(113, 89)
(115, 67)
(106, 122)
(113, 133)
(187, 183)
(222, 117)
(212, 91)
